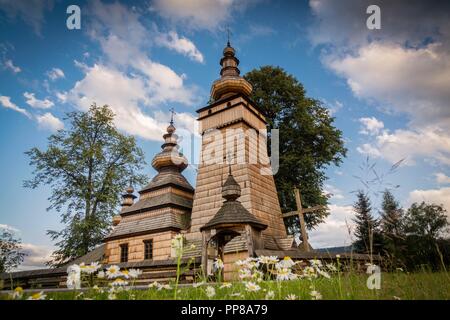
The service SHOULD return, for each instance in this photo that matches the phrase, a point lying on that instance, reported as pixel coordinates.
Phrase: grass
(397, 285)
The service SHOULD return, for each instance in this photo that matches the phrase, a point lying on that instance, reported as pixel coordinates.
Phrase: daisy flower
(37, 296)
(210, 292)
(316, 263)
(291, 297)
(18, 293)
(245, 273)
(285, 274)
(316, 295)
(113, 272)
(73, 281)
(218, 264)
(119, 282)
(225, 285)
(252, 287)
(268, 259)
(269, 295)
(134, 273)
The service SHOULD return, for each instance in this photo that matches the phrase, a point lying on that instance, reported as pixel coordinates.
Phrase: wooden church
(232, 213)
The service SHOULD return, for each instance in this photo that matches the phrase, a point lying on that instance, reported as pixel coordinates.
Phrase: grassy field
(398, 285)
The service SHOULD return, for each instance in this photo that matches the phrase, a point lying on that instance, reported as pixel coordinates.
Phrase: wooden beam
(307, 210)
(301, 217)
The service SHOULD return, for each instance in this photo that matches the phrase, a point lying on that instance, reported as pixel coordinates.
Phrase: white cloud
(36, 103)
(333, 107)
(9, 228)
(403, 69)
(371, 126)
(405, 80)
(37, 256)
(179, 44)
(127, 79)
(435, 196)
(10, 65)
(61, 96)
(55, 74)
(333, 192)
(202, 14)
(5, 101)
(50, 122)
(30, 11)
(334, 232)
(442, 178)
(403, 144)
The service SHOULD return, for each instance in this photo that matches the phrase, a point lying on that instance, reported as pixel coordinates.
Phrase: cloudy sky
(388, 89)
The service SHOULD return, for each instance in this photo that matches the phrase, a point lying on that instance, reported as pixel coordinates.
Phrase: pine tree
(392, 227)
(367, 233)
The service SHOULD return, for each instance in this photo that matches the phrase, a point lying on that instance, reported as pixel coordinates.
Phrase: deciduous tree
(87, 167)
(309, 141)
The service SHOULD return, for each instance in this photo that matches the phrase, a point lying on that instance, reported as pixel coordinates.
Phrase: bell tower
(233, 129)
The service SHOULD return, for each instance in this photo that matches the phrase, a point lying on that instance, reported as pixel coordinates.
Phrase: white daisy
(252, 287)
(269, 295)
(37, 296)
(291, 297)
(118, 283)
(268, 259)
(17, 293)
(210, 292)
(218, 264)
(134, 273)
(113, 271)
(316, 295)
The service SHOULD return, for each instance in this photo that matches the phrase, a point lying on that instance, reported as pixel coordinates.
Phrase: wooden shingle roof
(148, 224)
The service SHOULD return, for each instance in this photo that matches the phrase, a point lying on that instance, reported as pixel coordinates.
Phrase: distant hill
(346, 249)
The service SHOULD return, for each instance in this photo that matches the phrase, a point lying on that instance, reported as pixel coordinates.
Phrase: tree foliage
(367, 232)
(87, 166)
(10, 251)
(426, 226)
(309, 142)
(392, 227)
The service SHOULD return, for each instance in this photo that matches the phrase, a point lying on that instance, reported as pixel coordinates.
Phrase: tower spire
(172, 113)
(230, 81)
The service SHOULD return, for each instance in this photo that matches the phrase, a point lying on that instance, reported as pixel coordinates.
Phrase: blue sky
(388, 89)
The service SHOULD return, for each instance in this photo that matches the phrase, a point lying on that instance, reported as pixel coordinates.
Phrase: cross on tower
(172, 111)
(228, 35)
(301, 215)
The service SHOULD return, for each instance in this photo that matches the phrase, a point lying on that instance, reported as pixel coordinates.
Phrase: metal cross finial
(228, 36)
(172, 110)
(229, 159)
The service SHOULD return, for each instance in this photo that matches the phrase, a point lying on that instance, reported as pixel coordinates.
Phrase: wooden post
(205, 252)
(249, 238)
(301, 217)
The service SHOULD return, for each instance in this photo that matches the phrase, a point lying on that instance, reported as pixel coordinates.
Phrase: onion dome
(128, 198)
(232, 211)
(230, 81)
(116, 220)
(170, 156)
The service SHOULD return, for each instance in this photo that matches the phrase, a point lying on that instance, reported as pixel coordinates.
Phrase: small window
(209, 111)
(124, 252)
(148, 249)
(229, 104)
